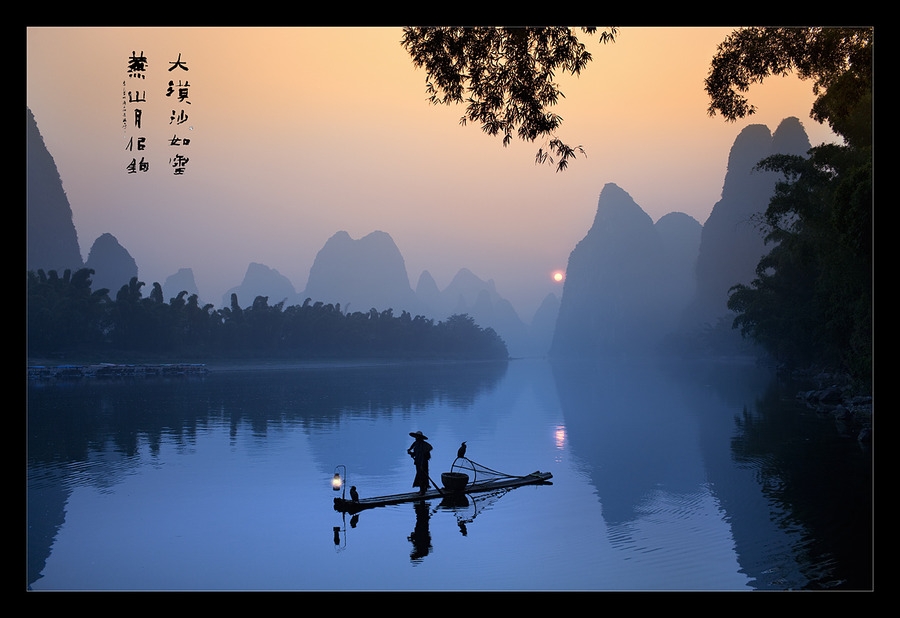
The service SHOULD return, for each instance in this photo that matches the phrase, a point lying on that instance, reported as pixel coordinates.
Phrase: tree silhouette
(811, 301)
(62, 312)
(838, 60)
(505, 76)
(66, 317)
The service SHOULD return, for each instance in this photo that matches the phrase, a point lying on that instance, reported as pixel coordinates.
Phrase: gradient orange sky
(298, 133)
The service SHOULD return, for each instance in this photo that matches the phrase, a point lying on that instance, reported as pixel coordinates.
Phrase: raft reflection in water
(456, 502)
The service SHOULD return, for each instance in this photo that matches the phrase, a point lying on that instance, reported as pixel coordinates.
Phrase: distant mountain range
(359, 274)
(629, 282)
(370, 273)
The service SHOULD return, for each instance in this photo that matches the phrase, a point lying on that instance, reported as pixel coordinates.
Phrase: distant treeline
(65, 316)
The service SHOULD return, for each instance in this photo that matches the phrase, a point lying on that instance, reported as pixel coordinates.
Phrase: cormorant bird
(353, 494)
(461, 453)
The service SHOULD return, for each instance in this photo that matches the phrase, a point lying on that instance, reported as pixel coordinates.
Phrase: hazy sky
(297, 133)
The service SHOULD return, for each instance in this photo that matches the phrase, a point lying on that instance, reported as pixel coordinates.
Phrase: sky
(298, 133)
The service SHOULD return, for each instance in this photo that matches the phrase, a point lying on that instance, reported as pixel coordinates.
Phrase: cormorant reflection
(340, 533)
(421, 534)
(460, 504)
(457, 503)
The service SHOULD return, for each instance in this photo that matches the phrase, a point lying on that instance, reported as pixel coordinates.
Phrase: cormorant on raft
(461, 453)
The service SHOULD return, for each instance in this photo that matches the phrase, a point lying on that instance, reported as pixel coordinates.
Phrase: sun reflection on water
(560, 437)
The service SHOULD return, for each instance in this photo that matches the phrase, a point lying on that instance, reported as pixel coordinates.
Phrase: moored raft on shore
(113, 370)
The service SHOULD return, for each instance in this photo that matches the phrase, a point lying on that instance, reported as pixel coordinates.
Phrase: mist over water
(662, 479)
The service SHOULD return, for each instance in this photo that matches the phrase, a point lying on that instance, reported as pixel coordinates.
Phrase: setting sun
(558, 276)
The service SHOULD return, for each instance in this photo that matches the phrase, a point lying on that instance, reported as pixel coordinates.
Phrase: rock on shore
(852, 412)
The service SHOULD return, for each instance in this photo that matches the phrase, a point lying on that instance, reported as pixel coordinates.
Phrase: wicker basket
(454, 481)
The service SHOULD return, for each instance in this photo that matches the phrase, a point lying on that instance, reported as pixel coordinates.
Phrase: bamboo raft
(113, 370)
(455, 489)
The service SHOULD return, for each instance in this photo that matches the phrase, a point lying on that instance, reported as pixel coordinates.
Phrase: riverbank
(113, 370)
(81, 367)
(835, 394)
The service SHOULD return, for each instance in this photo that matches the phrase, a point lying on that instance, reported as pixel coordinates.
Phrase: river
(666, 477)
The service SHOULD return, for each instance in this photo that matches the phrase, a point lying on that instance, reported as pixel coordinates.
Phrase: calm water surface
(664, 478)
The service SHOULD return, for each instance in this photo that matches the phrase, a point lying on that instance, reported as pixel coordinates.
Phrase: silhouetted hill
(361, 275)
(732, 243)
(631, 284)
(679, 235)
(260, 280)
(428, 292)
(623, 281)
(181, 281)
(51, 241)
(471, 295)
(370, 273)
(543, 325)
(113, 265)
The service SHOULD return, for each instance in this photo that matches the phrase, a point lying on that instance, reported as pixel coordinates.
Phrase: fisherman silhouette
(420, 451)
(461, 453)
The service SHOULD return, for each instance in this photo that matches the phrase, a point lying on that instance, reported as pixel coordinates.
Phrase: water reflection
(665, 477)
(818, 483)
(421, 535)
(727, 439)
(633, 426)
(90, 432)
(464, 508)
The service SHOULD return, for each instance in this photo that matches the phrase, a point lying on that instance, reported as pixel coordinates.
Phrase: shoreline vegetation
(67, 318)
(118, 366)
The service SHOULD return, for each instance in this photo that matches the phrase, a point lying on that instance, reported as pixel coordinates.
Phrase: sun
(558, 276)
